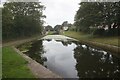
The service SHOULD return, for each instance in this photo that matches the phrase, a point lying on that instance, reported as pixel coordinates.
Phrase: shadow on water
(72, 59)
(36, 51)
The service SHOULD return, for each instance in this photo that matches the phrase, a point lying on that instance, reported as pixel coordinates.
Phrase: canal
(71, 59)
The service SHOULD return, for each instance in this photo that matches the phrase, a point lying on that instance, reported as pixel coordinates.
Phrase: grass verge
(88, 37)
(13, 65)
(97, 41)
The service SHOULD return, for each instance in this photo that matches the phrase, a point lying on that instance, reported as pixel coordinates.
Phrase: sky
(58, 11)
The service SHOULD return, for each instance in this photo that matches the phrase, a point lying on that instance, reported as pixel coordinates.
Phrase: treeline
(20, 19)
(102, 18)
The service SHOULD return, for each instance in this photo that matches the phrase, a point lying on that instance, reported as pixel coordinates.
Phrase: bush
(113, 32)
(99, 32)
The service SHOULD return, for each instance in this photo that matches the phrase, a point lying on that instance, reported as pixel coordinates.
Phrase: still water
(72, 59)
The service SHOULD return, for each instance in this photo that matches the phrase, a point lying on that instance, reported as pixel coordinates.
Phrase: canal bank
(37, 69)
(114, 49)
(64, 43)
(31, 69)
(107, 43)
(13, 64)
(73, 59)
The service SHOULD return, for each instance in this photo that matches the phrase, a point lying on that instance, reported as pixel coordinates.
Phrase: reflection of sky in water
(59, 57)
(74, 60)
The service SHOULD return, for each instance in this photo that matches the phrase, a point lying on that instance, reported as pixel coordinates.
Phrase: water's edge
(108, 48)
(37, 69)
(63, 53)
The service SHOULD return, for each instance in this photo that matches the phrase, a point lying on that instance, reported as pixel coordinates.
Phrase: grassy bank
(88, 37)
(13, 65)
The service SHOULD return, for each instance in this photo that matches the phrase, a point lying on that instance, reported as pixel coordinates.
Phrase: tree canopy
(22, 19)
(98, 15)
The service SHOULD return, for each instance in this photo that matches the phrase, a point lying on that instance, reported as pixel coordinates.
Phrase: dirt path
(17, 42)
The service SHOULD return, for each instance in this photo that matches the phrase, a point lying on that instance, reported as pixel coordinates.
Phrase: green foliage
(22, 19)
(99, 31)
(48, 28)
(72, 28)
(13, 65)
(94, 14)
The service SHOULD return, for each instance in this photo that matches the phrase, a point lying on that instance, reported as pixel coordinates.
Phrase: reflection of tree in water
(65, 43)
(36, 51)
(91, 63)
(49, 40)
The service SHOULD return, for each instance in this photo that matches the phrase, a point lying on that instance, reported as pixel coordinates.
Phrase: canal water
(71, 59)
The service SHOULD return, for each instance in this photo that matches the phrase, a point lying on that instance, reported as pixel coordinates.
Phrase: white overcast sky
(58, 11)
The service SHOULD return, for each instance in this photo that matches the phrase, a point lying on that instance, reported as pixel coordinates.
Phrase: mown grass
(50, 33)
(13, 65)
(88, 37)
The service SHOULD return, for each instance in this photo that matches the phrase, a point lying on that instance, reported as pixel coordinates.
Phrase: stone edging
(36, 68)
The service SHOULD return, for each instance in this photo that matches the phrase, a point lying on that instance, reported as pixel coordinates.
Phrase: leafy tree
(57, 27)
(48, 28)
(25, 19)
(89, 14)
(7, 22)
(94, 14)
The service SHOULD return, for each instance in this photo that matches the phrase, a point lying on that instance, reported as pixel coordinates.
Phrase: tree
(7, 22)
(26, 18)
(88, 15)
(97, 14)
(48, 28)
(57, 27)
